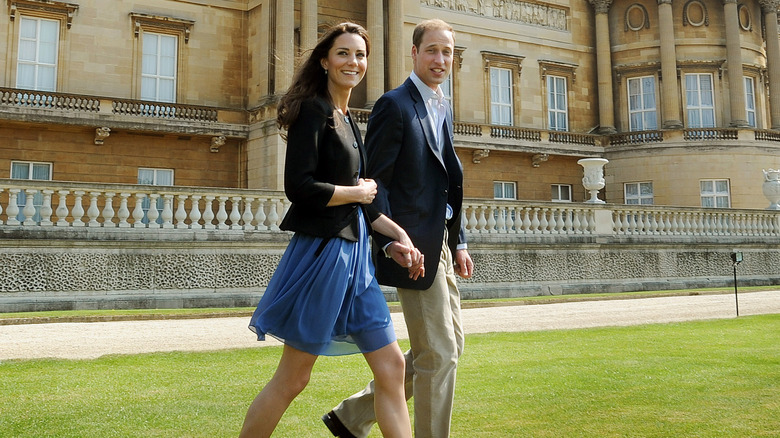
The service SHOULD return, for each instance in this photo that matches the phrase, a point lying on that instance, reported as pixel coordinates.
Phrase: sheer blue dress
(323, 297)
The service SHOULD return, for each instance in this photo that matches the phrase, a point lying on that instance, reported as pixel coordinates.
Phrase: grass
(695, 379)
(131, 314)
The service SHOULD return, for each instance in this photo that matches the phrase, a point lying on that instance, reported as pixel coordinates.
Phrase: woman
(323, 298)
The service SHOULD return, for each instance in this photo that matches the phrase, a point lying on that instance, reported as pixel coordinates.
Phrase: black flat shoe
(335, 426)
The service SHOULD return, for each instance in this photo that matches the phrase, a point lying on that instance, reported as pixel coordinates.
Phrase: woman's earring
(326, 72)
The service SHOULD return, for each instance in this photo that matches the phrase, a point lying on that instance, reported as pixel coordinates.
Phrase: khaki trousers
(436, 338)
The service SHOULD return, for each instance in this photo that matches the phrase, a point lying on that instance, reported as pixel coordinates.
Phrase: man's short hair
(426, 25)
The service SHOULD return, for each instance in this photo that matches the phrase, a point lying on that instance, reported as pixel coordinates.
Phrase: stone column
(669, 91)
(284, 50)
(375, 78)
(604, 67)
(395, 43)
(308, 25)
(734, 64)
(769, 8)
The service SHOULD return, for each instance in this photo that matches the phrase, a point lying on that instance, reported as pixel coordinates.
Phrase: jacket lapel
(424, 118)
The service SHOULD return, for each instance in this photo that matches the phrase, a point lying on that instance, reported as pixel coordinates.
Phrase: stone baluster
(260, 216)
(535, 221)
(511, 215)
(618, 222)
(543, 222)
(248, 217)
(138, 211)
(152, 214)
(576, 225)
(78, 209)
(491, 219)
(62, 209)
(472, 218)
(1, 205)
(482, 220)
(586, 225)
(123, 213)
(29, 207)
(167, 211)
(273, 216)
(181, 214)
(195, 212)
(208, 212)
(235, 216)
(222, 215)
(108, 210)
(501, 220)
(567, 222)
(46, 210)
(93, 212)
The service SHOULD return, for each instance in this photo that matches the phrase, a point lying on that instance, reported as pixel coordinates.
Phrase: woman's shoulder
(317, 104)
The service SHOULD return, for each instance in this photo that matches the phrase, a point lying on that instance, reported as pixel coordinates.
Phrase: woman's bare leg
(291, 377)
(392, 414)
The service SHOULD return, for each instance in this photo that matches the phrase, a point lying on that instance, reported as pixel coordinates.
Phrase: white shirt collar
(425, 91)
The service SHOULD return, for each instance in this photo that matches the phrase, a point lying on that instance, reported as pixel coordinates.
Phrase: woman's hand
(367, 190)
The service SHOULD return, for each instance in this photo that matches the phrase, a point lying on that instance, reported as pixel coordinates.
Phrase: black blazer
(414, 184)
(323, 150)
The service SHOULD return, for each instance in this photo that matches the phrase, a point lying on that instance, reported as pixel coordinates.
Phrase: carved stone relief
(522, 12)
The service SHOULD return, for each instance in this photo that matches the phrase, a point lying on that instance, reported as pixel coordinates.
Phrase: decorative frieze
(537, 14)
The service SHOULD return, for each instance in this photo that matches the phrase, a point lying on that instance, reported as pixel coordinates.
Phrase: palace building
(153, 123)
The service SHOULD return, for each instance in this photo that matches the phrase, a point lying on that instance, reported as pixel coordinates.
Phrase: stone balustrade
(138, 207)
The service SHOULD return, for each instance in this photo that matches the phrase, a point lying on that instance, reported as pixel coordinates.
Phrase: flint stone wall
(110, 269)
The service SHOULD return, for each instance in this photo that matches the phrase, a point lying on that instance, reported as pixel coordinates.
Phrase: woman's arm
(363, 193)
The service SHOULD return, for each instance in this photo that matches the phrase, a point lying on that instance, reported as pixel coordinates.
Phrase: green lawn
(699, 379)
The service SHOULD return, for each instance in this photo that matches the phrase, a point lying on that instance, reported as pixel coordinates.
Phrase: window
(501, 102)
(750, 102)
(715, 193)
(504, 190)
(642, 113)
(640, 193)
(158, 77)
(446, 89)
(36, 67)
(561, 193)
(700, 104)
(33, 172)
(557, 105)
(154, 177)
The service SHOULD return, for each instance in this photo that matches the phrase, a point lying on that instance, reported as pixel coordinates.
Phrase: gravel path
(89, 340)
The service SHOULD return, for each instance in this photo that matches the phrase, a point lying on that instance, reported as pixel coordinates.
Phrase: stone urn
(771, 188)
(593, 181)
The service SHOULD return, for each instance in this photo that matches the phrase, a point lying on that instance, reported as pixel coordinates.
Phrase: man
(420, 186)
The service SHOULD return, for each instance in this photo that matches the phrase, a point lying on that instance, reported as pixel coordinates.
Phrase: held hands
(464, 266)
(366, 190)
(409, 257)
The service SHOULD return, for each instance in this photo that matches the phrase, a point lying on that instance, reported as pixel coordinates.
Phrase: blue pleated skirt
(328, 303)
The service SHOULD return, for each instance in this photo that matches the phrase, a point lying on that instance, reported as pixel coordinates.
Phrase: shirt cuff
(462, 246)
(384, 249)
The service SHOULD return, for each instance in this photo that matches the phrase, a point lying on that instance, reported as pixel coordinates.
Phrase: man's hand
(408, 257)
(463, 264)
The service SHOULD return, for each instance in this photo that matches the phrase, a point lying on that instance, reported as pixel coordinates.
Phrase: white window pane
(27, 50)
(20, 171)
(145, 176)
(722, 186)
(166, 91)
(651, 121)
(149, 65)
(708, 119)
(25, 76)
(632, 190)
(164, 177)
(41, 172)
(46, 79)
(707, 202)
(497, 190)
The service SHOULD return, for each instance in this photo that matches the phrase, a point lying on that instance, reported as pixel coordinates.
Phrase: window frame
(715, 194)
(37, 64)
(162, 25)
(549, 93)
(504, 185)
(750, 99)
(21, 197)
(146, 203)
(557, 69)
(496, 105)
(639, 197)
(699, 108)
(557, 188)
(514, 63)
(643, 111)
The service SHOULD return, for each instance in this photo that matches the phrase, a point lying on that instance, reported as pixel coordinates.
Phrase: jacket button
(354, 144)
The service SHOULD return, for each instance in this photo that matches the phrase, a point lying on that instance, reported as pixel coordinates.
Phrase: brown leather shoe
(335, 426)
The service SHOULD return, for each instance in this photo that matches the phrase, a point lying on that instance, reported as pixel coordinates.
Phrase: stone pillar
(669, 91)
(604, 67)
(734, 64)
(308, 25)
(769, 8)
(284, 52)
(375, 77)
(395, 43)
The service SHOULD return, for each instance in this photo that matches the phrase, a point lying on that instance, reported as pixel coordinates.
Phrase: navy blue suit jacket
(414, 183)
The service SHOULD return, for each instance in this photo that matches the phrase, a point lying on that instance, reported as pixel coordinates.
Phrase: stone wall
(111, 269)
